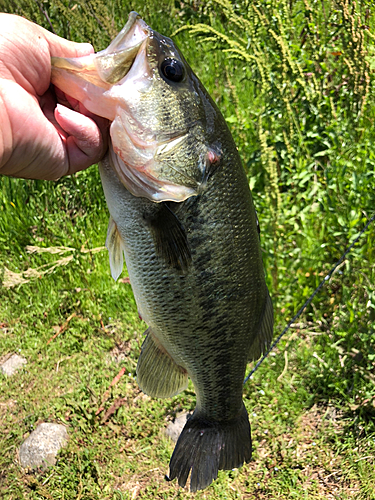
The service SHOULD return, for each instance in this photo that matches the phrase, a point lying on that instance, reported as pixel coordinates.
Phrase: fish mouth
(88, 78)
(109, 83)
(115, 61)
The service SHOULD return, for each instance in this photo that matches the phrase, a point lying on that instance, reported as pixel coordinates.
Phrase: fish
(182, 215)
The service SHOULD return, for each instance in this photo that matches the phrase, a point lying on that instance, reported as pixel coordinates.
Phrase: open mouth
(115, 61)
(87, 78)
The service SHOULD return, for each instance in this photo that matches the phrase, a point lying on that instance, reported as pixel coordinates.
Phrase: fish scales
(201, 316)
(182, 214)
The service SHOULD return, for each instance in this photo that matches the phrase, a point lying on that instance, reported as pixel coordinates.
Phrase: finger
(47, 104)
(34, 149)
(32, 47)
(60, 47)
(85, 144)
(72, 103)
(101, 122)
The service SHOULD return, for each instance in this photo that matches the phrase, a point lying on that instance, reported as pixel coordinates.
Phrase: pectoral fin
(265, 333)
(157, 373)
(115, 248)
(170, 237)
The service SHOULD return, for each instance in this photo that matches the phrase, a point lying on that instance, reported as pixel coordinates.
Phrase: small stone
(12, 364)
(43, 444)
(174, 429)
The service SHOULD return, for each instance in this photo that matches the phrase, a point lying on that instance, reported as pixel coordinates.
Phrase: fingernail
(85, 49)
(64, 111)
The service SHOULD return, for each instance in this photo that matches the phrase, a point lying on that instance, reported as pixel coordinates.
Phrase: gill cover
(139, 82)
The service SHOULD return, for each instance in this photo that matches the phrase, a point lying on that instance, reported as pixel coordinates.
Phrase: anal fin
(157, 373)
(115, 248)
(265, 333)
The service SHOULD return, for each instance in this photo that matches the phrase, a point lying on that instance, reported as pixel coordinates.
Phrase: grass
(304, 448)
(312, 402)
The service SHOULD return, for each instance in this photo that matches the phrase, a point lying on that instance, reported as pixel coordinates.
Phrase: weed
(295, 83)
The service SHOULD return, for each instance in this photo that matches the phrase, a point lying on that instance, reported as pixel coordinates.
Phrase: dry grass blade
(11, 278)
(92, 250)
(60, 250)
(52, 250)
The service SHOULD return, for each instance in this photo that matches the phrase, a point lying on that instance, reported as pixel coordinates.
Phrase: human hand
(39, 140)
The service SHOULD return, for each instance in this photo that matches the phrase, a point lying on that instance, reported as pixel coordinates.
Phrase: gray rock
(12, 364)
(174, 428)
(43, 444)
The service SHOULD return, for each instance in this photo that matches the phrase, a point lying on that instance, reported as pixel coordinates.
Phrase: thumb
(85, 142)
(60, 47)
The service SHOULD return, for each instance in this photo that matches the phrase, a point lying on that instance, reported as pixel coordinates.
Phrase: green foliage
(295, 81)
(302, 86)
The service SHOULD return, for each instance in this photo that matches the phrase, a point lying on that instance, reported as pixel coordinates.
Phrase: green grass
(311, 403)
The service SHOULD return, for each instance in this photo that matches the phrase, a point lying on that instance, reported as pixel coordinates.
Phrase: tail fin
(206, 447)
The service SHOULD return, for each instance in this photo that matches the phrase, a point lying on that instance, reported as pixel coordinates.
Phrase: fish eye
(172, 70)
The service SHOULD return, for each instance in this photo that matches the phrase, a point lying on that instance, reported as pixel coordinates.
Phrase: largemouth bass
(182, 214)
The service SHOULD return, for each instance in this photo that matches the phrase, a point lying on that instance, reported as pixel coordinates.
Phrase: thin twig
(107, 392)
(363, 458)
(46, 16)
(62, 328)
